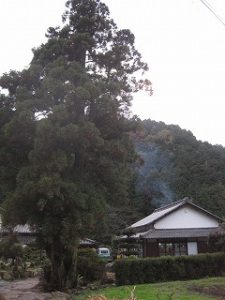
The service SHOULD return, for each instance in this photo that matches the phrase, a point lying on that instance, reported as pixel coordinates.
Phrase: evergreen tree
(66, 151)
(177, 165)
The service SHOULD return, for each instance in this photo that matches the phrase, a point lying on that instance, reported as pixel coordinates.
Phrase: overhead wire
(210, 8)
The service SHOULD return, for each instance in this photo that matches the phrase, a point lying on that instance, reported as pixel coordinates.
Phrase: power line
(212, 11)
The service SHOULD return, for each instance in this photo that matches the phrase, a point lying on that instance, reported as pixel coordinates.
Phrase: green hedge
(89, 265)
(168, 268)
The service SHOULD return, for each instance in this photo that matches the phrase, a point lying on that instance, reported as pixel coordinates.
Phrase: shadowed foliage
(65, 150)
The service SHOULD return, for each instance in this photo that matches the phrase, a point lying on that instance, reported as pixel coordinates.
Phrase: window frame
(175, 248)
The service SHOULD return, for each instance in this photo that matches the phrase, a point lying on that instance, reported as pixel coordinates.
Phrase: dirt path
(26, 290)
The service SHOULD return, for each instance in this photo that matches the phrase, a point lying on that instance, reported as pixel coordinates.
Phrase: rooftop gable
(163, 211)
(154, 216)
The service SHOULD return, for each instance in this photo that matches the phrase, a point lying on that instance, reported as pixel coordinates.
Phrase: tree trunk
(63, 273)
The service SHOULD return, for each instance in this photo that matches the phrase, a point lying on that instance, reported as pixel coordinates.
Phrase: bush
(34, 256)
(89, 265)
(146, 270)
(216, 242)
(10, 248)
(12, 252)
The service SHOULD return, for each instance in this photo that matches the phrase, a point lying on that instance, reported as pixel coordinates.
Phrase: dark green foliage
(216, 243)
(65, 149)
(137, 271)
(155, 174)
(12, 253)
(10, 248)
(176, 165)
(34, 256)
(89, 266)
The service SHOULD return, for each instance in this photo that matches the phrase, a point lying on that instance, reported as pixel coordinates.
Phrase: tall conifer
(66, 151)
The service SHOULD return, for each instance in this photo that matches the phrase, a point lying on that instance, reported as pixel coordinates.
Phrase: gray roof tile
(181, 233)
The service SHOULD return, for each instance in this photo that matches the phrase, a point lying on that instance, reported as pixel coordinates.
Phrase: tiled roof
(20, 229)
(164, 210)
(23, 229)
(181, 233)
(87, 242)
(158, 213)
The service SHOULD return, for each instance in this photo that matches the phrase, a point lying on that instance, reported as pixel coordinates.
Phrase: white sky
(181, 40)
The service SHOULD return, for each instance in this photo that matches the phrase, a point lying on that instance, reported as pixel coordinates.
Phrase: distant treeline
(174, 164)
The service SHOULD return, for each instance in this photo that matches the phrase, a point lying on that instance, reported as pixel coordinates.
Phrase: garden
(201, 289)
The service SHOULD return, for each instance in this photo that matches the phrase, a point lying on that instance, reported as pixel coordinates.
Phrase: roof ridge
(160, 212)
(184, 200)
(180, 229)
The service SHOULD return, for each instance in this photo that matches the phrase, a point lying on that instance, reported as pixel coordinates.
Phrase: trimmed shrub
(168, 268)
(89, 265)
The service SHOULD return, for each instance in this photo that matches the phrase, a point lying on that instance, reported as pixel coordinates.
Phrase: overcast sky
(181, 40)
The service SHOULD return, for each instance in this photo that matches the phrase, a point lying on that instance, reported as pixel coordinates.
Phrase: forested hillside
(174, 164)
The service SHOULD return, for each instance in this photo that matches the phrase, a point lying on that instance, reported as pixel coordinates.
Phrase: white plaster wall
(186, 217)
(192, 248)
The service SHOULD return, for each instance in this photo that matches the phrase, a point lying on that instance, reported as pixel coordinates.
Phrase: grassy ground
(177, 290)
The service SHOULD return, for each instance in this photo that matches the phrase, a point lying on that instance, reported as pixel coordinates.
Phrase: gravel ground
(27, 290)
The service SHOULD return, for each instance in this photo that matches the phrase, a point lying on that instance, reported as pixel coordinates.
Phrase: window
(104, 251)
(180, 249)
(165, 249)
(174, 249)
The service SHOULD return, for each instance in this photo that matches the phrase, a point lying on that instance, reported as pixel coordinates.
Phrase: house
(179, 228)
(26, 235)
(23, 233)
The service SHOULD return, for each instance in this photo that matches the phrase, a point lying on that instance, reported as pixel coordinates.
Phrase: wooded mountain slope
(174, 164)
